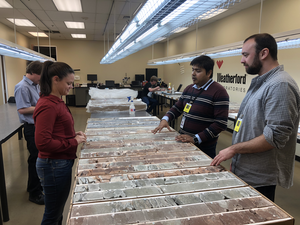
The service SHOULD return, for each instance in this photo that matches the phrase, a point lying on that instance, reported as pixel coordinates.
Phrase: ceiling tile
(60, 16)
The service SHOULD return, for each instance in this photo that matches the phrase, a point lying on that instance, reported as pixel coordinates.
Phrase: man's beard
(255, 67)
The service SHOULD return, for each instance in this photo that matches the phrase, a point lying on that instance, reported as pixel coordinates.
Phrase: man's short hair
(153, 78)
(265, 41)
(34, 67)
(204, 62)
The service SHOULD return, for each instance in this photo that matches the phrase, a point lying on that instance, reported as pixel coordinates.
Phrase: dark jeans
(151, 103)
(33, 185)
(268, 191)
(55, 176)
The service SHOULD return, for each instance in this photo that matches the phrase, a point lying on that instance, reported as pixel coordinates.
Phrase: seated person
(147, 94)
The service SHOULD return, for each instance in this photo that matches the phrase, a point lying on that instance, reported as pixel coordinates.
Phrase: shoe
(39, 199)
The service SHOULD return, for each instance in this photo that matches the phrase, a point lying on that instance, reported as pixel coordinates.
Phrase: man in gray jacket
(265, 135)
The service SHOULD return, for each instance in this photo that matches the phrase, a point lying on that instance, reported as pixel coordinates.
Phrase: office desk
(10, 125)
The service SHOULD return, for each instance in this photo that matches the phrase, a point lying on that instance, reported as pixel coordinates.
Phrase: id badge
(238, 125)
(182, 122)
(187, 107)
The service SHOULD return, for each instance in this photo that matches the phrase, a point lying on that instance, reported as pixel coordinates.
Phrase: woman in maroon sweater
(55, 139)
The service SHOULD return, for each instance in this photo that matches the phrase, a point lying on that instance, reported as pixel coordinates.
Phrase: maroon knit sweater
(208, 114)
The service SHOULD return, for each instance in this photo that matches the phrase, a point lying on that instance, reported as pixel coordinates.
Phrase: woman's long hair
(51, 69)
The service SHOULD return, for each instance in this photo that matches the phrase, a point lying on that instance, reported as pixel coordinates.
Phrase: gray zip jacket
(270, 107)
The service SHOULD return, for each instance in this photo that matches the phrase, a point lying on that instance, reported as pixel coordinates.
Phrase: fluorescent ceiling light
(4, 4)
(188, 57)
(179, 29)
(38, 34)
(160, 39)
(21, 22)
(74, 25)
(287, 44)
(146, 34)
(234, 49)
(10, 49)
(185, 6)
(137, 9)
(148, 9)
(158, 18)
(128, 32)
(78, 35)
(211, 13)
(118, 36)
(225, 53)
(68, 5)
(124, 27)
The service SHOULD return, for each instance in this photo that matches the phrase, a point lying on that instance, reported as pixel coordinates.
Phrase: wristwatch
(196, 141)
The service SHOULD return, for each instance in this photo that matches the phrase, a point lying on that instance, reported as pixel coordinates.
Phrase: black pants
(210, 151)
(268, 191)
(33, 185)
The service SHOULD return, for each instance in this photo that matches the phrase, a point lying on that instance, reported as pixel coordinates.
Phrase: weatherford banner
(232, 79)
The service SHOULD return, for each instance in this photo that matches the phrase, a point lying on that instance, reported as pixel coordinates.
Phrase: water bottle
(131, 108)
(173, 90)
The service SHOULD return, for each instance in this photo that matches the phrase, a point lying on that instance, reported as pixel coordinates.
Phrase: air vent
(126, 17)
(52, 31)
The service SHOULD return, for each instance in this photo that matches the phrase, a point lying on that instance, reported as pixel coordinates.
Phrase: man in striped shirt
(204, 105)
(264, 139)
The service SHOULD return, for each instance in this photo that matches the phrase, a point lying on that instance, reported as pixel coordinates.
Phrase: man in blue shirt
(26, 95)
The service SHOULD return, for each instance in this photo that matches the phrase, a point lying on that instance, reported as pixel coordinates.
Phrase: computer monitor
(139, 77)
(110, 83)
(92, 77)
(136, 83)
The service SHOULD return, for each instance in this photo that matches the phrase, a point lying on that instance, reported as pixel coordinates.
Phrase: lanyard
(201, 90)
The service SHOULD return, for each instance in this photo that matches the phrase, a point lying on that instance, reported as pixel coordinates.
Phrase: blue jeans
(151, 103)
(56, 177)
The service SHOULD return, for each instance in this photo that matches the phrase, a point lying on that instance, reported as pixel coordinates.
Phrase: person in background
(55, 138)
(204, 105)
(147, 94)
(265, 136)
(26, 95)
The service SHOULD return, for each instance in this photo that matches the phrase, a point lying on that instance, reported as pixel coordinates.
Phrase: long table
(10, 125)
(127, 175)
(119, 114)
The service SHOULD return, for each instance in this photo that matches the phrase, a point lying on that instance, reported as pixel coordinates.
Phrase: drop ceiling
(103, 19)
